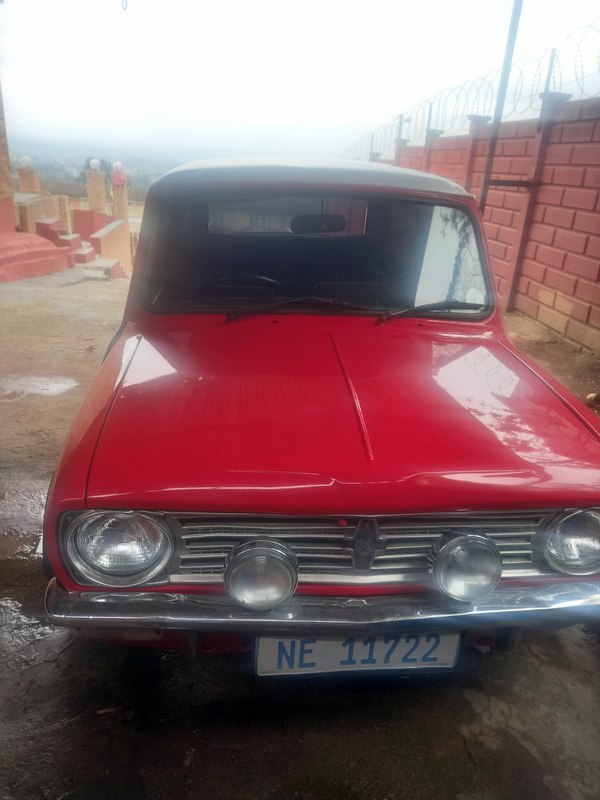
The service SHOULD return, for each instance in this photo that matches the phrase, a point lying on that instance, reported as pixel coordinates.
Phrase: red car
(312, 437)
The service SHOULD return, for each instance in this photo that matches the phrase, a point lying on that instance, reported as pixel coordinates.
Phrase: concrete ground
(84, 721)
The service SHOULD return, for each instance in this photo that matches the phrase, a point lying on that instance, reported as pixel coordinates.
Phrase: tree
(105, 166)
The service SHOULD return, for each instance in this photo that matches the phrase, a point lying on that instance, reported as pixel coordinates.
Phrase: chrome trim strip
(344, 579)
(466, 517)
(550, 605)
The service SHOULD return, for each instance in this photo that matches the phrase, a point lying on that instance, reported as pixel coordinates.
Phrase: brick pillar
(121, 211)
(430, 135)
(401, 144)
(64, 209)
(29, 179)
(477, 121)
(96, 192)
(7, 209)
(121, 206)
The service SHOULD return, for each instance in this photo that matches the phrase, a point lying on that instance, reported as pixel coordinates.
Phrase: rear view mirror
(318, 223)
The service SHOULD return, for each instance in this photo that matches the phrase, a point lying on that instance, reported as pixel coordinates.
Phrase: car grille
(325, 554)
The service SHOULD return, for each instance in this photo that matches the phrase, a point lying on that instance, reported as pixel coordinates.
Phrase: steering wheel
(252, 275)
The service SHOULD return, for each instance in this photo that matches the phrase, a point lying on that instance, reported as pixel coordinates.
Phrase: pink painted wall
(7, 216)
(87, 223)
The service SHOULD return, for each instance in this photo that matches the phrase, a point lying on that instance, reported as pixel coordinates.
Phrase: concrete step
(84, 255)
(72, 240)
(103, 269)
(94, 274)
(49, 222)
(85, 243)
(48, 228)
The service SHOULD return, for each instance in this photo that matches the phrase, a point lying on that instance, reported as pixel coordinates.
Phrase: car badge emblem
(365, 542)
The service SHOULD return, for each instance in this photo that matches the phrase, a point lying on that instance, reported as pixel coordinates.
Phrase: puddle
(24, 640)
(12, 543)
(14, 386)
(22, 501)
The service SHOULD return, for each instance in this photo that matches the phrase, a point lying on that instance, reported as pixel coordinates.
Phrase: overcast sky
(293, 76)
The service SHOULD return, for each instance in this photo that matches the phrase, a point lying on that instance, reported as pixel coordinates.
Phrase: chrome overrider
(548, 605)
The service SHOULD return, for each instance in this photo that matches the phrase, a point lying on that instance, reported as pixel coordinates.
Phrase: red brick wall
(559, 283)
(558, 277)
(411, 157)
(447, 157)
(504, 206)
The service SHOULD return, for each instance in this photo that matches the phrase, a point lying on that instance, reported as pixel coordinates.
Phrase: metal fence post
(538, 157)
(506, 67)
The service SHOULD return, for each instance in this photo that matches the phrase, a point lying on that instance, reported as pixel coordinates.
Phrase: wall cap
(108, 228)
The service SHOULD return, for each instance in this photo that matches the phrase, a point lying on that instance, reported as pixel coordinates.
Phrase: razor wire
(575, 70)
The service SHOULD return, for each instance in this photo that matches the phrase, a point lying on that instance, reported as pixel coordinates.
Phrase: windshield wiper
(442, 305)
(286, 301)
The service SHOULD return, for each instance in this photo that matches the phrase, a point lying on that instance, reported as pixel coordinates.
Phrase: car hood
(246, 417)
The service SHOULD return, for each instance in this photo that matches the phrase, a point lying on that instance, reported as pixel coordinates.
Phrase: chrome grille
(325, 554)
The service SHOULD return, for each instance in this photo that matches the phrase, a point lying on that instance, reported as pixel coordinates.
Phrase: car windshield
(367, 253)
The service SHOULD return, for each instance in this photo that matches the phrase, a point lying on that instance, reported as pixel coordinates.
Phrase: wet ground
(80, 720)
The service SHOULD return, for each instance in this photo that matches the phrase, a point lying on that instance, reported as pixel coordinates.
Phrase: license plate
(408, 651)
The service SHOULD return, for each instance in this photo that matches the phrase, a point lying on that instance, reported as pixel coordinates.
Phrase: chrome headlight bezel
(249, 551)
(552, 530)
(81, 569)
(444, 550)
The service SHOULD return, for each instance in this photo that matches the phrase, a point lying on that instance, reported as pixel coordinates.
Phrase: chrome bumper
(550, 605)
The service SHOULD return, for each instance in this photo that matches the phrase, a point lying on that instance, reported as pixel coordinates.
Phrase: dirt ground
(575, 367)
(80, 720)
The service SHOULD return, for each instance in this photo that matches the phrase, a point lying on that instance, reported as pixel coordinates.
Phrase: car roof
(337, 173)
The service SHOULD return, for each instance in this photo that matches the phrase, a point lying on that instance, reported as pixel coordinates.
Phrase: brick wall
(544, 238)
(447, 157)
(559, 283)
(28, 213)
(49, 205)
(504, 208)
(7, 212)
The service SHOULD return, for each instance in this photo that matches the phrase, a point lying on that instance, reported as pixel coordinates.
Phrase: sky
(236, 77)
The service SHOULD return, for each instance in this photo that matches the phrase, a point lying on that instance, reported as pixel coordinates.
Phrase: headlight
(573, 545)
(118, 548)
(260, 575)
(466, 566)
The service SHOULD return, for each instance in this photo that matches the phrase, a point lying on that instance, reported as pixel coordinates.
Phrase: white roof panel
(304, 172)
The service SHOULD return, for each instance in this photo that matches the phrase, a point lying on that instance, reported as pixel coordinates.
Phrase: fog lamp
(466, 565)
(118, 548)
(573, 545)
(261, 574)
